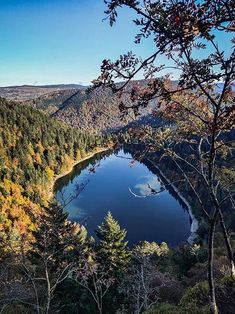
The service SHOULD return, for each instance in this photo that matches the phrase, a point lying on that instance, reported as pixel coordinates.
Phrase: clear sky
(60, 41)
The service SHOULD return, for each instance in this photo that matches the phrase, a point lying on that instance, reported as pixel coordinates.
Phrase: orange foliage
(37, 158)
(16, 213)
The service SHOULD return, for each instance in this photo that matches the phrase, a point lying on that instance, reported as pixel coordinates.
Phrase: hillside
(33, 149)
(97, 112)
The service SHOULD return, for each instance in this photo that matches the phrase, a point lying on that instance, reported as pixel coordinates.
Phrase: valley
(72, 147)
(117, 194)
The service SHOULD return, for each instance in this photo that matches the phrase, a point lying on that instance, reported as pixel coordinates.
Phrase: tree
(113, 256)
(92, 277)
(143, 280)
(54, 255)
(196, 104)
(104, 265)
(112, 250)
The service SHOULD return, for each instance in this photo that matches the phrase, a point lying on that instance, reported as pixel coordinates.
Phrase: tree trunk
(48, 304)
(228, 245)
(48, 290)
(100, 308)
(212, 298)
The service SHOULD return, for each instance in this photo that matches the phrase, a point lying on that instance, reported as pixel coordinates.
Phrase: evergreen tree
(53, 236)
(55, 253)
(112, 250)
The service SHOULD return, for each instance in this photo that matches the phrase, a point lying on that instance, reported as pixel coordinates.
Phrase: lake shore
(76, 162)
(194, 224)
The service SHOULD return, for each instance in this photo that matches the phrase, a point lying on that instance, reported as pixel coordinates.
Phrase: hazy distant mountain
(29, 92)
(63, 86)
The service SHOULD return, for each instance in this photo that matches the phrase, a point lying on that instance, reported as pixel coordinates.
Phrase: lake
(114, 183)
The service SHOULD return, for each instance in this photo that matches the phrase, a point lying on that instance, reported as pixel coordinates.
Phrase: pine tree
(112, 250)
(52, 237)
(55, 252)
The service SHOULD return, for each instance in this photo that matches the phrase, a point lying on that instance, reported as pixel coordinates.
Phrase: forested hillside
(96, 112)
(33, 149)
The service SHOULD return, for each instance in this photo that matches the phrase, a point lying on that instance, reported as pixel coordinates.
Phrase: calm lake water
(153, 218)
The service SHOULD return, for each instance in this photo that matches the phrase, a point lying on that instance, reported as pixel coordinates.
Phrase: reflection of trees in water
(77, 169)
(65, 200)
(80, 207)
(94, 162)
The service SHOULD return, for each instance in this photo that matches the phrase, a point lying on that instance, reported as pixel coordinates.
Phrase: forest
(34, 149)
(50, 265)
(183, 127)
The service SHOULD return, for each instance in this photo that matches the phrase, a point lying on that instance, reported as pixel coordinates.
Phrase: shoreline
(76, 162)
(194, 225)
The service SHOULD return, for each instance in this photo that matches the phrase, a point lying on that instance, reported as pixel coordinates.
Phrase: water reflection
(158, 218)
(149, 183)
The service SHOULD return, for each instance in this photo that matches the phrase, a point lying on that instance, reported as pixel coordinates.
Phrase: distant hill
(96, 112)
(62, 86)
(29, 92)
(57, 86)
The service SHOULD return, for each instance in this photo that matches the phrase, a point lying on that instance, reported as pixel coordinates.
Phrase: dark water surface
(154, 218)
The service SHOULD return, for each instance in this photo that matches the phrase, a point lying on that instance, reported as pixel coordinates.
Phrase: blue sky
(62, 41)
